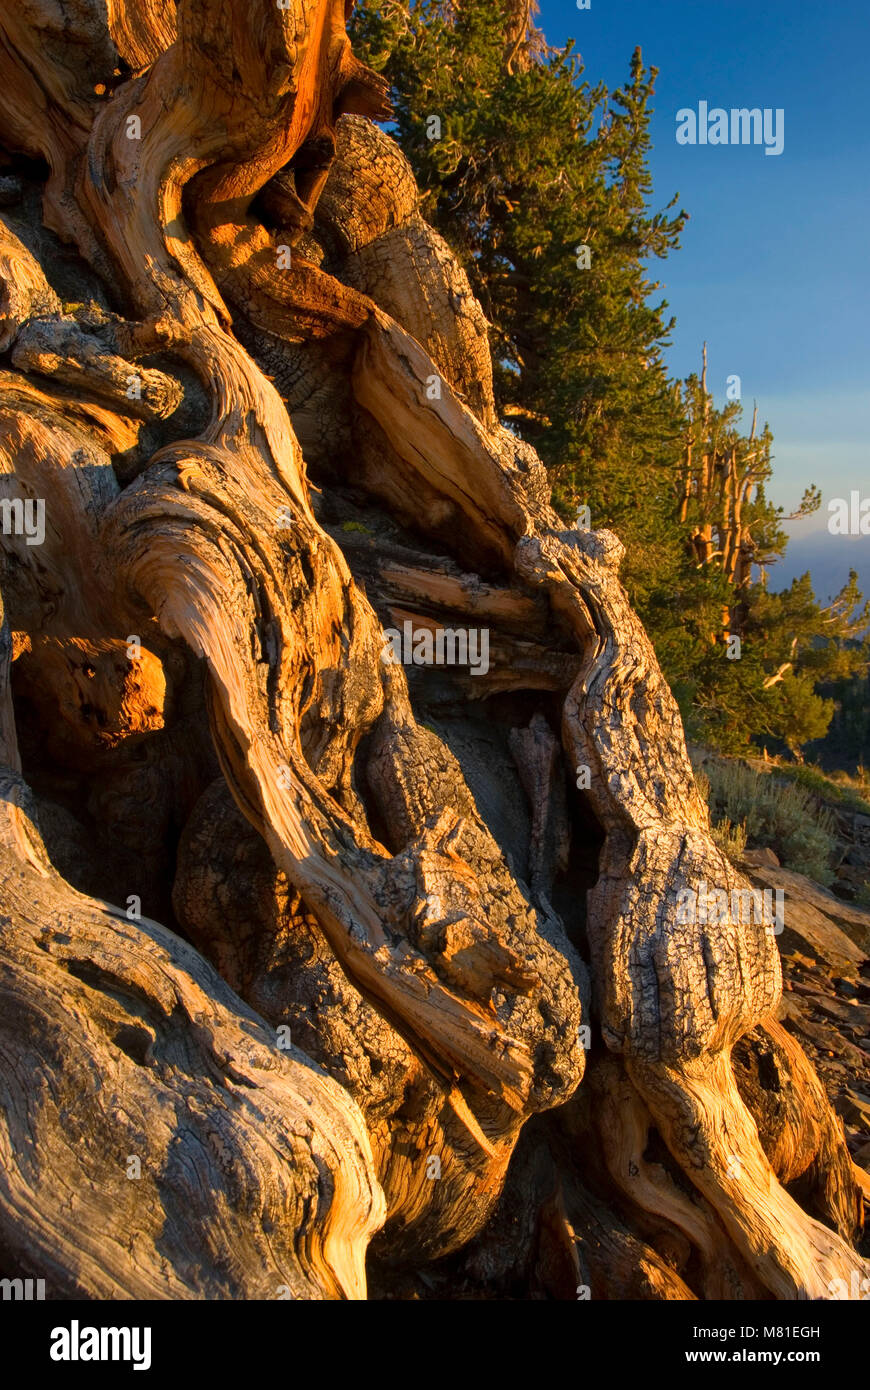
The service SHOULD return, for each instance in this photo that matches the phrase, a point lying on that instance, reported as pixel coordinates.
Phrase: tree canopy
(540, 181)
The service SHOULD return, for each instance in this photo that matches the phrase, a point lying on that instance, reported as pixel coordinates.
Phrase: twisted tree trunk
(249, 393)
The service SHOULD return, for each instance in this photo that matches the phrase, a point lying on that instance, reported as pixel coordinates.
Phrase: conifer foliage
(540, 182)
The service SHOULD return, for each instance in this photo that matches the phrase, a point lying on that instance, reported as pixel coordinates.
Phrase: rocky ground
(825, 948)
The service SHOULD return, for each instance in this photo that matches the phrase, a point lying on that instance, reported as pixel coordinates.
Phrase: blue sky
(774, 267)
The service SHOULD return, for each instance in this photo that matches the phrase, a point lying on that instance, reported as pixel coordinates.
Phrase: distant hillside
(828, 558)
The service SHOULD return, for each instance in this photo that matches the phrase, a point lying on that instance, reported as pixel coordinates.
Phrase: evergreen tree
(763, 684)
(540, 182)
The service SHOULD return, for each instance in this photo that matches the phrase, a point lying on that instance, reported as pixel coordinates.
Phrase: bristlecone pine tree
(323, 974)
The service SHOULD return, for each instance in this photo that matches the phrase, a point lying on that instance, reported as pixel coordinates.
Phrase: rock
(850, 879)
(846, 988)
(789, 1011)
(806, 991)
(859, 857)
(761, 858)
(855, 1017)
(854, 1107)
(861, 1156)
(861, 826)
(834, 933)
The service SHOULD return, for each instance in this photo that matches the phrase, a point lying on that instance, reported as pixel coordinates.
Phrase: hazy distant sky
(774, 267)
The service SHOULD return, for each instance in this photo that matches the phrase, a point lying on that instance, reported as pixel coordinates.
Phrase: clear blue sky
(774, 267)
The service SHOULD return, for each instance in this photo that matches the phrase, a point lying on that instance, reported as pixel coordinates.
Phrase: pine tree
(763, 685)
(540, 183)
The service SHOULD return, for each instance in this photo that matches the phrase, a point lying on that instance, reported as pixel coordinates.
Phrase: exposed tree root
(352, 876)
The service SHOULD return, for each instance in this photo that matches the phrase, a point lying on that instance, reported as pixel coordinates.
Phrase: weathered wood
(208, 162)
(156, 1143)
